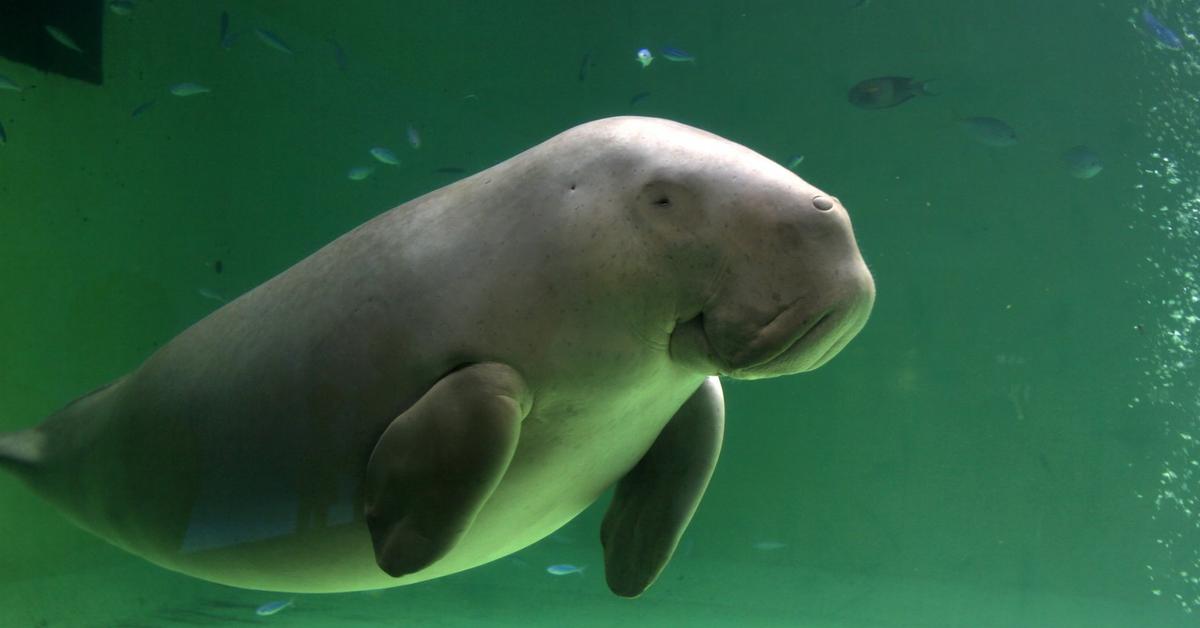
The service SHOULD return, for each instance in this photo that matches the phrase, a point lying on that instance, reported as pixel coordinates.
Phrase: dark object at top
(882, 92)
(24, 38)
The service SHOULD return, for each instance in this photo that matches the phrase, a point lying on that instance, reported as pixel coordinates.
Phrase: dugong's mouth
(789, 332)
(777, 352)
(811, 349)
(791, 343)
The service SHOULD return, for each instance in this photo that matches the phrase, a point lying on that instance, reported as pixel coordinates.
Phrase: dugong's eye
(822, 203)
(665, 195)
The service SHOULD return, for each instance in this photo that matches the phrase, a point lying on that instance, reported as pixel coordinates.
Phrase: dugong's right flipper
(655, 501)
(438, 462)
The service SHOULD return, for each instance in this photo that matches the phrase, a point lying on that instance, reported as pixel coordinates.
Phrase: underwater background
(1011, 441)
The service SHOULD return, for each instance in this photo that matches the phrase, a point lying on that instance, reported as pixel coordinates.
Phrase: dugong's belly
(271, 514)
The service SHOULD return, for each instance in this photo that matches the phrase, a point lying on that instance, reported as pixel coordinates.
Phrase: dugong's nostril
(823, 203)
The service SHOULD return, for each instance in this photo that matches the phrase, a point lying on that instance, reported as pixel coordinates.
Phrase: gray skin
(460, 376)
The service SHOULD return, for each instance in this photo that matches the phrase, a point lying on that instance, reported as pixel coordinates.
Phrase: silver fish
(1082, 162)
(564, 569)
(882, 92)
(585, 65)
(121, 7)
(1164, 35)
(273, 40)
(339, 55)
(990, 131)
(270, 608)
(9, 84)
(227, 36)
(140, 109)
(678, 55)
(63, 38)
(211, 294)
(358, 173)
(385, 155)
(189, 89)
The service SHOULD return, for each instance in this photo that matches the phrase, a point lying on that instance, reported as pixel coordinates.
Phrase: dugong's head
(767, 273)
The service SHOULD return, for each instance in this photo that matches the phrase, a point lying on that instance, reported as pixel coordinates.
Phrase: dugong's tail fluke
(21, 451)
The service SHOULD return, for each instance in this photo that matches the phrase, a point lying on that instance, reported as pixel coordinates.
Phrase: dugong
(460, 376)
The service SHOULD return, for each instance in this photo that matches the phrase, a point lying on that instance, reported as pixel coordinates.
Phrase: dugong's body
(462, 375)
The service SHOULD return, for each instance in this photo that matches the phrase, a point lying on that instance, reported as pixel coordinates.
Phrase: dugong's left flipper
(438, 462)
(655, 501)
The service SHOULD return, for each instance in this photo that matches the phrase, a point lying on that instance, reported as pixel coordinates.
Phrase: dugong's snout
(803, 337)
(796, 294)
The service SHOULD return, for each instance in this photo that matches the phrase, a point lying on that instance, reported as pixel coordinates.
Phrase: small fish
(270, 608)
(769, 546)
(644, 57)
(450, 170)
(564, 569)
(9, 84)
(882, 92)
(226, 36)
(358, 173)
(638, 97)
(1082, 162)
(677, 55)
(121, 7)
(272, 40)
(3, 135)
(140, 109)
(189, 89)
(414, 136)
(211, 294)
(1164, 35)
(990, 131)
(585, 65)
(1008, 359)
(385, 155)
(339, 55)
(218, 266)
(794, 161)
(63, 39)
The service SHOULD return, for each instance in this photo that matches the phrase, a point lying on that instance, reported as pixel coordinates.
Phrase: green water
(1009, 442)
